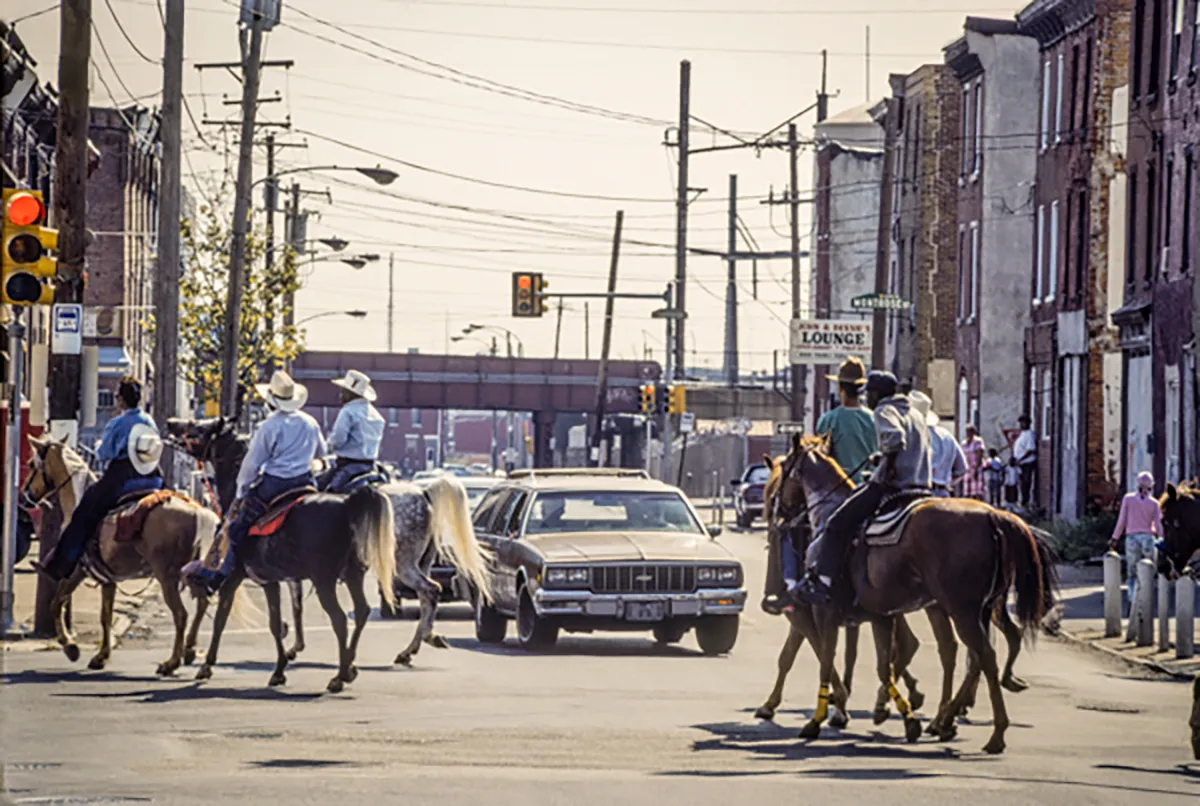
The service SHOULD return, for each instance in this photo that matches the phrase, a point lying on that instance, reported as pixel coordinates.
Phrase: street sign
(829, 341)
(687, 422)
(784, 429)
(67, 335)
(875, 302)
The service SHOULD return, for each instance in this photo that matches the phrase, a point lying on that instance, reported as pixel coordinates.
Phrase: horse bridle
(790, 465)
(28, 503)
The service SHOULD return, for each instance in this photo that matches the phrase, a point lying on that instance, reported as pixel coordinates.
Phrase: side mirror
(735, 482)
(714, 530)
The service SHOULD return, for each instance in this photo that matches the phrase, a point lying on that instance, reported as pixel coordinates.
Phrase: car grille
(754, 495)
(644, 579)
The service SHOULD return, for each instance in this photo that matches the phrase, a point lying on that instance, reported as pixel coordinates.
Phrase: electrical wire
(125, 34)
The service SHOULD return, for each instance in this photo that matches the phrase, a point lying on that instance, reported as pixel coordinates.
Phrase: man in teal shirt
(850, 427)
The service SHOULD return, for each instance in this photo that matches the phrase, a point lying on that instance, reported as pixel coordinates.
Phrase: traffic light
(539, 300)
(526, 286)
(677, 400)
(648, 398)
(660, 399)
(24, 264)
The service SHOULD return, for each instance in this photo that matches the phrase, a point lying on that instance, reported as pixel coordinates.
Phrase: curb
(1067, 637)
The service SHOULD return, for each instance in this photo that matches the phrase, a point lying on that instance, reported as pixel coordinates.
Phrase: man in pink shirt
(1140, 522)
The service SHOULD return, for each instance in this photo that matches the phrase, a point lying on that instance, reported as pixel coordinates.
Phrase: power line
(806, 12)
(125, 34)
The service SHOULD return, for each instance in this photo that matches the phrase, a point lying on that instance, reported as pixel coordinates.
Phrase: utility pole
(587, 333)
(731, 323)
(270, 201)
(558, 328)
(251, 56)
(664, 419)
(605, 342)
(681, 211)
(799, 371)
(166, 278)
(391, 300)
(883, 237)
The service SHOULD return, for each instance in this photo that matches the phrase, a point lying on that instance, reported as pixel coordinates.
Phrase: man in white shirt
(1025, 452)
(949, 463)
(357, 433)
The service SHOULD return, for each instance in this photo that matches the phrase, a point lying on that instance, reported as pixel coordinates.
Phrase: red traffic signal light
(24, 210)
(524, 302)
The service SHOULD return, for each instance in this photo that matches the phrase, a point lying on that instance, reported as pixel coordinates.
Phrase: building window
(978, 164)
(963, 408)
(916, 144)
(1085, 114)
(1176, 36)
(962, 273)
(1151, 230)
(967, 119)
(1075, 79)
(1033, 406)
(1139, 37)
(1047, 397)
(1168, 220)
(1058, 102)
(1039, 259)
(974, 268)
(1082, 238)
(105, 399)
(415, 415)
(1156, 37)
(1131, 229)
(1195, 40)
(1189, 171)
(1044, 129)
(1052, 278)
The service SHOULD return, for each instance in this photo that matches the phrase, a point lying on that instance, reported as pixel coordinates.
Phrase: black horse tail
(373, 528)
(1027, 567)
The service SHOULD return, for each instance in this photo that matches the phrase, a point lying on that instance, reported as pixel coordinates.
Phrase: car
(748, 494)
(587, 550)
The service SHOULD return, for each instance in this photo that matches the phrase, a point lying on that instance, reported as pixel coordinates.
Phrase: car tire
(669, 632)
(745, 519)
(386, 611)
(717, 634)
(491, 626)
(533, 632)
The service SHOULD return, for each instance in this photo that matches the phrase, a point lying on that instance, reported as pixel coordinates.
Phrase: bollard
(1143, 606)
(1185, 613)
(1164, 614)
(1112, 594)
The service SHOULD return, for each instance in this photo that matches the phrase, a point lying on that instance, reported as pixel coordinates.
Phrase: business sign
(67, 335)
(687, 422)
(829, 341)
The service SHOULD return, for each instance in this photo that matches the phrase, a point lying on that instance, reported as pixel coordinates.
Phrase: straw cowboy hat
(852, 371)
(145, 448)
(357, 383)
(283, 393)
(924, 406)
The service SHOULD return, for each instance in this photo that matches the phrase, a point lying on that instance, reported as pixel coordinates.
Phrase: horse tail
(373, 528)
(1023, 568)
(455, 536)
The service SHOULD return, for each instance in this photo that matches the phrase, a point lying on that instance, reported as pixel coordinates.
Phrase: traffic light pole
(12, 471)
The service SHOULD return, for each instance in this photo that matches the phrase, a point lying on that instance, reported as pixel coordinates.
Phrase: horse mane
(818, 444)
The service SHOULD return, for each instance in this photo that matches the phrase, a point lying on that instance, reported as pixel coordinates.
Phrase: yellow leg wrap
(822, 705)
(901, 704)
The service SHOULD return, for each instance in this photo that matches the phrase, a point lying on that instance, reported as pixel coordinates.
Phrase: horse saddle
(125, 521)
(885, 528)
(272, 520)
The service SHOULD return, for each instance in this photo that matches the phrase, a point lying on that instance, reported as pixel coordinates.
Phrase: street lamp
(379, 175)
(335, 243)
(491, 348)
(508, 337)
(351, 314)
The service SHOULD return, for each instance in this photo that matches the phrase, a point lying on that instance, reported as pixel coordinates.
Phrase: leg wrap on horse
(901, 704)
(822, 704)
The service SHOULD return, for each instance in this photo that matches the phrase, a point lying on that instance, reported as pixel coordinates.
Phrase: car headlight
(558, 575)
(720, 575)
(727, 574)
(706, 575)
(567, 576)
(578, 575)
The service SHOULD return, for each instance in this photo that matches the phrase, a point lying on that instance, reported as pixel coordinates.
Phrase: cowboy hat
(145, 448)
(852, 371)
(283, 393)
(924, 406)
(357, 383)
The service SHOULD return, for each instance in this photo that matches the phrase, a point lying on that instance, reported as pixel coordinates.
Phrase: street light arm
(379, 175)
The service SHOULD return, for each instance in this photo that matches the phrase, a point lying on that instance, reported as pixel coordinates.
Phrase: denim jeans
(843, 524)
(258, 497)
(1138, 546)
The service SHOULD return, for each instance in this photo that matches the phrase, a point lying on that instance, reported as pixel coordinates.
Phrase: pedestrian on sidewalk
(993, 471)
(1140, 523)
(975, 452)
(1012, 484)
(949, 464)
(1026, 452)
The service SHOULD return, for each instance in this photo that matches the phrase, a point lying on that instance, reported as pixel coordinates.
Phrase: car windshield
(474, 495)
(621, 511)
(758, 475)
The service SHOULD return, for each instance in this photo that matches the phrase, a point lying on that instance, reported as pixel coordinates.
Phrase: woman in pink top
(1140, 522)
(976, 453)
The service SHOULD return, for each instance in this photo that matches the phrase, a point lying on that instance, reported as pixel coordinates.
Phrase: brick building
(923, 266)
(1083, 48)
(1157, 335)
(996, 68)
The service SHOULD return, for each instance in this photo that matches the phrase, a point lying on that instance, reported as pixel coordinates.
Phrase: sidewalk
(85, 611)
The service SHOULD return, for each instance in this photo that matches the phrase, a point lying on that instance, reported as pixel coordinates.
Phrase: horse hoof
(912, 729)
(811, 731)
(351, 674)
(947, 733)
(277, 679)
(880, 715)
(437, 641)
(72, 652)
(995, 746)
(204, 672)
(97, 662)
(1014, 684)
(765, 713)
(189, 657)
(916, 699)
(839, 719)
(335, 686)
(403, 659)
(166, 669)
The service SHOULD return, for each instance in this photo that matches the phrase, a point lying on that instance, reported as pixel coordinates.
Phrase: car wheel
(490, 624)
(717, 634)
(386, 611)
(669, 632)
(533, 631)
(745, 519)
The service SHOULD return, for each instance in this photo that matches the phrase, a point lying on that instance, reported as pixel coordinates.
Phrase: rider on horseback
(279, 460)
(357, 433)
(904, 464)
(131, 464)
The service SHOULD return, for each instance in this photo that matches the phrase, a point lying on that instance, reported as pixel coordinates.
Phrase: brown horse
(958, 558)
(173, 535)
(1181, 555)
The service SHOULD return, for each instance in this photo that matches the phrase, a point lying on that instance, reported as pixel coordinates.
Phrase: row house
(925, 117)
(1156, 321)
(996, 69)
(1071, 354)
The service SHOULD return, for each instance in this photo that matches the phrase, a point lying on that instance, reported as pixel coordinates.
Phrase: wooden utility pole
(558, 329)
(391, 300)
(681, 211)
(606, 341)
(166, 278)
(731, 323)
(799, 371)
(884, 236)
(251, 57)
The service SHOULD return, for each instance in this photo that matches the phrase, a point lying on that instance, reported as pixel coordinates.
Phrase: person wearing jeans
(1140, 523)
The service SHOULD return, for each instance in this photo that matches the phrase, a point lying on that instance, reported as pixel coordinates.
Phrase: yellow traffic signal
(24, 263)
(525, 301)
(677, 402)
(539, 300)
(648, 398)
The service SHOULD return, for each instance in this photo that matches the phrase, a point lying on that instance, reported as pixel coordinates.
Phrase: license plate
(644, 611)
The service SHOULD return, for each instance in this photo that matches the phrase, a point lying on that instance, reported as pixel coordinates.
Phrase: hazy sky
(455, 240)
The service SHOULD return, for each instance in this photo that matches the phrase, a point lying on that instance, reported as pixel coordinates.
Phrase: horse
(174, 533)
(1181, 555)
(960, 582)
(216, 441)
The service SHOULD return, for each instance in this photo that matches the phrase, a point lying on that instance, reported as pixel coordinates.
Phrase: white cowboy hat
(145, 448)
(358, 383)
(283, 393)
(921, 402)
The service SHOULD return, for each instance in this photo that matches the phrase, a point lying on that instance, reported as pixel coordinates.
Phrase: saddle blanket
(277, 512)
(125, 523)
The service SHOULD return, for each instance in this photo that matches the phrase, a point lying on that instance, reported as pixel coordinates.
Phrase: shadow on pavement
(200, 691)
(781, 744)
(1190, 772)
(77, 675)
(567, 647)
(302, 764)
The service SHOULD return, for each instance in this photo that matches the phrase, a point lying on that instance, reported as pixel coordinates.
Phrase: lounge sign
(829, 341)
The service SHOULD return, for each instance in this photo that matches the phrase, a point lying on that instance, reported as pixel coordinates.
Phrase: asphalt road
(601, 720)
